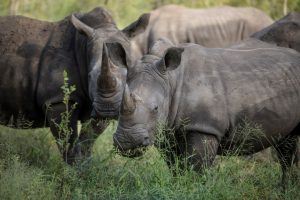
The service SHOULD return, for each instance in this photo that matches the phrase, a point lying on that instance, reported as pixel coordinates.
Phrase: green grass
(31, 168)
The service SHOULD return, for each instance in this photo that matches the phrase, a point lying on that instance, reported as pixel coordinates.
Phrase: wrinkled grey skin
(213, 90)
(284, 32)
(33, 56)
(212, 27)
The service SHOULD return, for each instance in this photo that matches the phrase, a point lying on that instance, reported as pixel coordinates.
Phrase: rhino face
(145, 103)
(111, 81)
(108, 53)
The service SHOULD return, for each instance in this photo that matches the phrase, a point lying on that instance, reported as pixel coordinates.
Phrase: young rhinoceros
(210, 92)
(33, 56)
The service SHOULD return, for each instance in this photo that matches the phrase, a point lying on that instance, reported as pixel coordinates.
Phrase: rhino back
(17, 31)
(222, 87)
(214, 27)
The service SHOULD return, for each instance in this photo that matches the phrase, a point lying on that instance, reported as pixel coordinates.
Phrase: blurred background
(126, 11)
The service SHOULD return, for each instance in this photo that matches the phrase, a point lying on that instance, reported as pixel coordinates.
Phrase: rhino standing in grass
(206, 94)
(33, 56)
(213, 27)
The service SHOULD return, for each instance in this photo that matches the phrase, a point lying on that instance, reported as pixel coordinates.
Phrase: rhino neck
(81, 60)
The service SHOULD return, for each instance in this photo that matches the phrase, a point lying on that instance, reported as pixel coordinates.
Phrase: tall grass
(31, 167)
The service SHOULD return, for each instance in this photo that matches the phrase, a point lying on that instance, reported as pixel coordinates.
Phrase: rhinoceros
(213, 27)
(205, 95)
(33, 56)
(285, 32)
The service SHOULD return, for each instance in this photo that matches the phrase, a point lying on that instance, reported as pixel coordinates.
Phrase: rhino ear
(171, 60)
(138, 26)
(82, 27)
(117, 54)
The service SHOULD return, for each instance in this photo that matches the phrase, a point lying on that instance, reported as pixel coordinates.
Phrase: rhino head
(146, 101)
(111, 81)
(97, 28)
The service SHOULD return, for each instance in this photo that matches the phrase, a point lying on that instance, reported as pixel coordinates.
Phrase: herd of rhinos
(214, 67)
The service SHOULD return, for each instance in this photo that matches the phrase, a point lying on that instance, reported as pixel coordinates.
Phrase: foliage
(64, 131)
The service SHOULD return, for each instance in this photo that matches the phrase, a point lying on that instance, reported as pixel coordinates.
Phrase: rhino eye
(155, 109)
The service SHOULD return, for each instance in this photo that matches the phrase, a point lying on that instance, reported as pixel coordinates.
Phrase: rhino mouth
(130, 147)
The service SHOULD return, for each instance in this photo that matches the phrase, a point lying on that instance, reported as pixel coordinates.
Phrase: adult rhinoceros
(284, 32)
(211, 92)
(213, 27)
(33, 56)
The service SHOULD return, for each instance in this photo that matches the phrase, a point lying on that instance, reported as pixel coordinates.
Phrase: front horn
(106, 81)
(128, 104)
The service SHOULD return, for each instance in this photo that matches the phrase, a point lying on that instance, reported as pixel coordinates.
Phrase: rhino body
(213, 27)
(206, 94)
(33, 56)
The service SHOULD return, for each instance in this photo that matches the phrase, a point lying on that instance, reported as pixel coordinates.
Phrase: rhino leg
(286, 152)
(88, 136)
(201, 150)
(54, 119)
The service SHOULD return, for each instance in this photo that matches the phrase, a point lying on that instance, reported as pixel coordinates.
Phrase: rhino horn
(107, 65)
(128, 105)
(107, 81)
(82, 27)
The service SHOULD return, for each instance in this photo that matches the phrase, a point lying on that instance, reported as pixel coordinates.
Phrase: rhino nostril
(146, 141)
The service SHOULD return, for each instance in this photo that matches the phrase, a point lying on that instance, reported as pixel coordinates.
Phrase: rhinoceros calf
(284, 32)
(210, 92)
(213, 27)
(33, 56)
